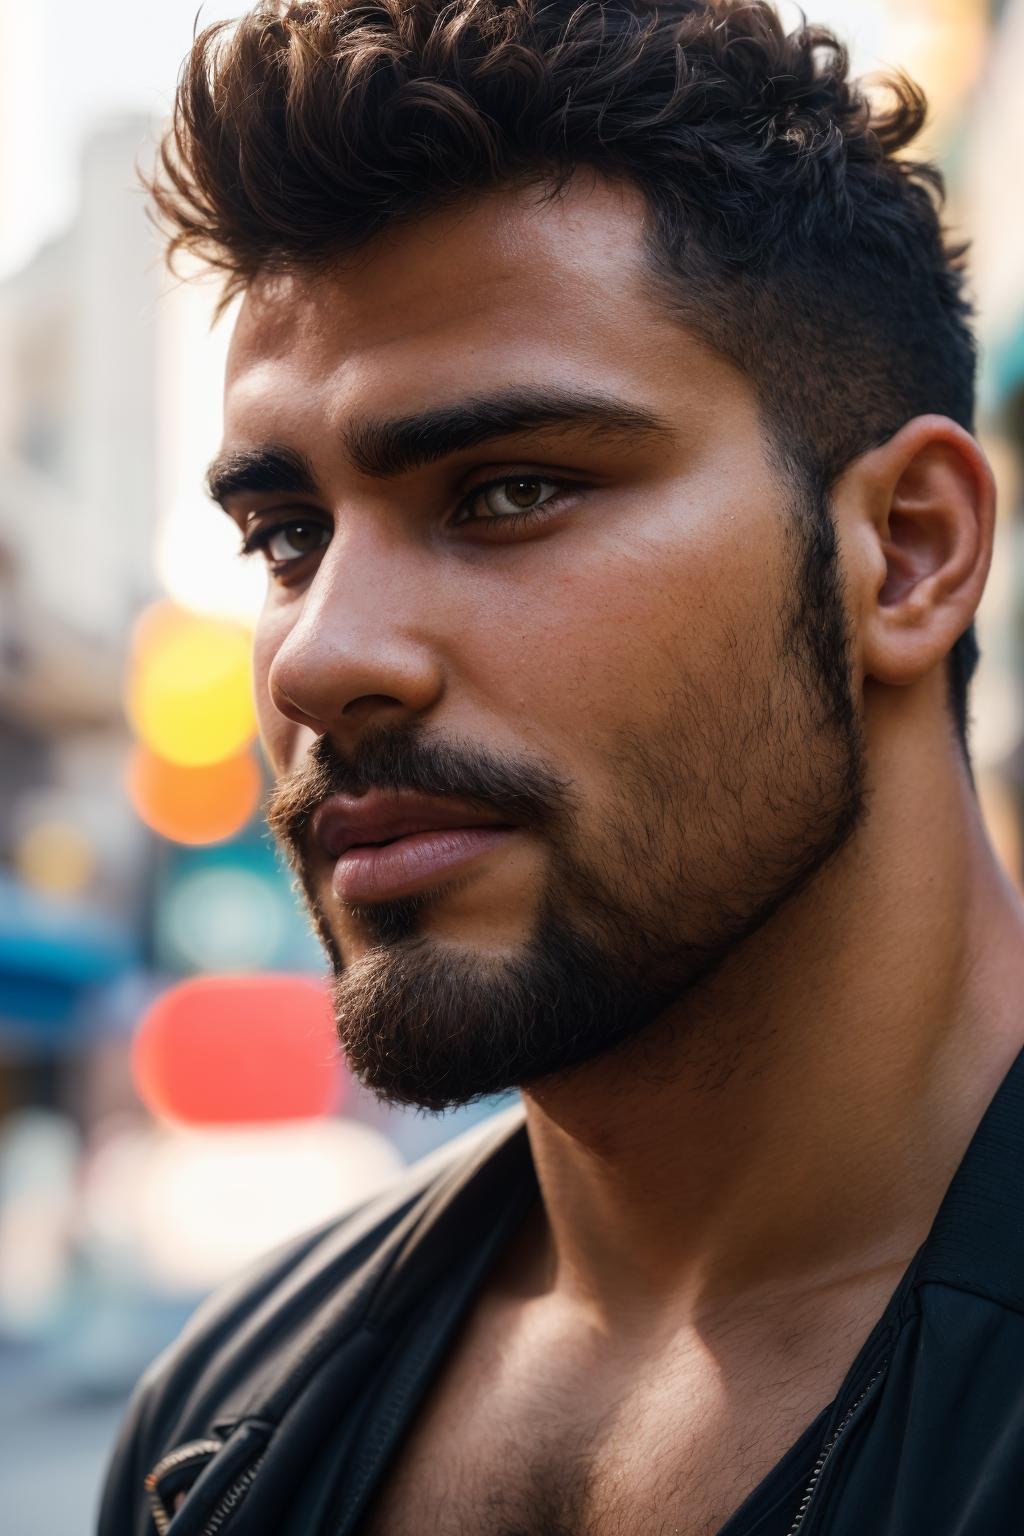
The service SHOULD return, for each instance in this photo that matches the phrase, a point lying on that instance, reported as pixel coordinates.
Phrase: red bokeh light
(246, 1048)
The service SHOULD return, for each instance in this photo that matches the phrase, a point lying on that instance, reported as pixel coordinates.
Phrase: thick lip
(347, 821)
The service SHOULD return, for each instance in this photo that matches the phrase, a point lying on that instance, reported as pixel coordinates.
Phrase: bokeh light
(226, 1049)
(189, 693)
(193, 805)
(213, 1200)
(184, 1207)
(55, 857)
(224, 918)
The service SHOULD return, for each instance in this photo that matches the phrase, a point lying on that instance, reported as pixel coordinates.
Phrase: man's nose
(361, 644)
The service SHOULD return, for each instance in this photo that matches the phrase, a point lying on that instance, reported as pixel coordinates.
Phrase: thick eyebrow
(385, 448)
(269, 468)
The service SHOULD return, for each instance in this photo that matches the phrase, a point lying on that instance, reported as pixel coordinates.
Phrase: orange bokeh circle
(193, 805)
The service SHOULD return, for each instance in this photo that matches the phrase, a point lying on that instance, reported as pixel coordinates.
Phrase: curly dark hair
(786, 228)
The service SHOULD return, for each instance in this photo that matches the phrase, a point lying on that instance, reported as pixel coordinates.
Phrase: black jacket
(288, 1391)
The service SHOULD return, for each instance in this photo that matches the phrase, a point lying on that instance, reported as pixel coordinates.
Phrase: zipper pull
(172, 1477)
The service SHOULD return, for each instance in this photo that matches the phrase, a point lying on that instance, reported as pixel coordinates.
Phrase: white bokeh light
(196, 552)
(215, 1199)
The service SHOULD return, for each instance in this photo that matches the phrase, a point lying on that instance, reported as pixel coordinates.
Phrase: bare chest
(513, 1480)
(674, 1451)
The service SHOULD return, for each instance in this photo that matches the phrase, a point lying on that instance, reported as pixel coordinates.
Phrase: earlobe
(932, 502)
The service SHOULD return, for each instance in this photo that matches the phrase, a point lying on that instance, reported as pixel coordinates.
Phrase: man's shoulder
(254, 1333)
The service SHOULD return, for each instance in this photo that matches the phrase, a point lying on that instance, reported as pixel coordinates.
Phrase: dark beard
(428, 1023)
(618, 941)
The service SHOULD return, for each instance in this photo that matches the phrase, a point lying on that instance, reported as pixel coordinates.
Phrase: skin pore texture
(750, 953)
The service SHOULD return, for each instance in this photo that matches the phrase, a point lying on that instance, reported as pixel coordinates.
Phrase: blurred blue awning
(52, 953)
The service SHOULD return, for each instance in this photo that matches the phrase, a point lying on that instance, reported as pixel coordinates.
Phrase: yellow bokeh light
(189, 693)
(55, 857)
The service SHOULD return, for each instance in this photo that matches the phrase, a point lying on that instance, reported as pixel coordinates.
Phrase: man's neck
(798, 1121)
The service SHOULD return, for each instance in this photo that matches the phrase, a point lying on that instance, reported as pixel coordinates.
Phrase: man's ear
(925, 522)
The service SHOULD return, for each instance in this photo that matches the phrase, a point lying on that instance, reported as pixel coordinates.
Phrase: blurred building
(77, 509)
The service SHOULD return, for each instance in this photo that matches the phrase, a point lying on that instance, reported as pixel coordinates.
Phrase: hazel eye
(519, 493)
(303, 537)
(511, 503)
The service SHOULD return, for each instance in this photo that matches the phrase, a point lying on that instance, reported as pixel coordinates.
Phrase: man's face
(627, 675)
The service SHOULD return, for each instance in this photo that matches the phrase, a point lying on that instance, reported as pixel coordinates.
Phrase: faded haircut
(786, 228)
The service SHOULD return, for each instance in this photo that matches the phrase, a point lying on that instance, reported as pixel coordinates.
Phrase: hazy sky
(65, 64)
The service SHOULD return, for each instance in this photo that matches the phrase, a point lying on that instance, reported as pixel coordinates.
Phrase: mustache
(520, 788)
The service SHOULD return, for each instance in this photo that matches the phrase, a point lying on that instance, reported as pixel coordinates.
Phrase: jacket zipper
(829, 1447)
(231, 1500)
(199, 1450)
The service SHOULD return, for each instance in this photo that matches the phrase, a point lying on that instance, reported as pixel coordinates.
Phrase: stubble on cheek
(713, 787)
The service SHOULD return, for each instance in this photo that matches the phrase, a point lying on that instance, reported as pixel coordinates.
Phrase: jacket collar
(976, 1242)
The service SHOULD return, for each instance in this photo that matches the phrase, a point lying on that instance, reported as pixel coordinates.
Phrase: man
(601, 403)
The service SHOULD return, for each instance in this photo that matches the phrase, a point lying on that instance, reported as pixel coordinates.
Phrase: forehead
(507, 287)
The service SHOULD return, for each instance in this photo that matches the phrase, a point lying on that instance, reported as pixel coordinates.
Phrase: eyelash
(252, 543)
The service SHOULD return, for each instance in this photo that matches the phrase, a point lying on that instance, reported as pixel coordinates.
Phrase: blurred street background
(147, 930)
